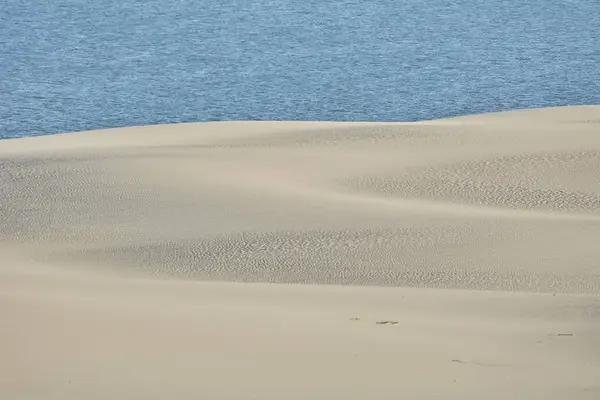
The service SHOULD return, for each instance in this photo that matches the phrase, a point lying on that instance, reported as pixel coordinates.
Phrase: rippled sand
(104, 237)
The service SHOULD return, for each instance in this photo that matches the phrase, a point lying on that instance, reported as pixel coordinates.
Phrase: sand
(447, 259)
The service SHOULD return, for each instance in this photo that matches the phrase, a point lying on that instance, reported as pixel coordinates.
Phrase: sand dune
(484, 229)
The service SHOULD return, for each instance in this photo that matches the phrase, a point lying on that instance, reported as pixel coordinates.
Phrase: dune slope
(484, 229)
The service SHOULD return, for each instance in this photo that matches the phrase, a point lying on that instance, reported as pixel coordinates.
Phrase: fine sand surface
(448, 259)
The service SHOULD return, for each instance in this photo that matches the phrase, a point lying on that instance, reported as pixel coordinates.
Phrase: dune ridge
(164, 260)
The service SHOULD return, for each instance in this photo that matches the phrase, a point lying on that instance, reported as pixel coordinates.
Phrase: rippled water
(71, 65)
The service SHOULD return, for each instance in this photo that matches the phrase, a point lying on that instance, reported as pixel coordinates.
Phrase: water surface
(69, 65)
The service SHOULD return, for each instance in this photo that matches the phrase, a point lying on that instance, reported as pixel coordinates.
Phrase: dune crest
(511, 204)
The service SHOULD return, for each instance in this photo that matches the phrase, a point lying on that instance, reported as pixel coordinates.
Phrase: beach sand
(448, 259)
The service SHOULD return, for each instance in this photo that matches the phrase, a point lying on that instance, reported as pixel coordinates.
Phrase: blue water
(69, 65)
